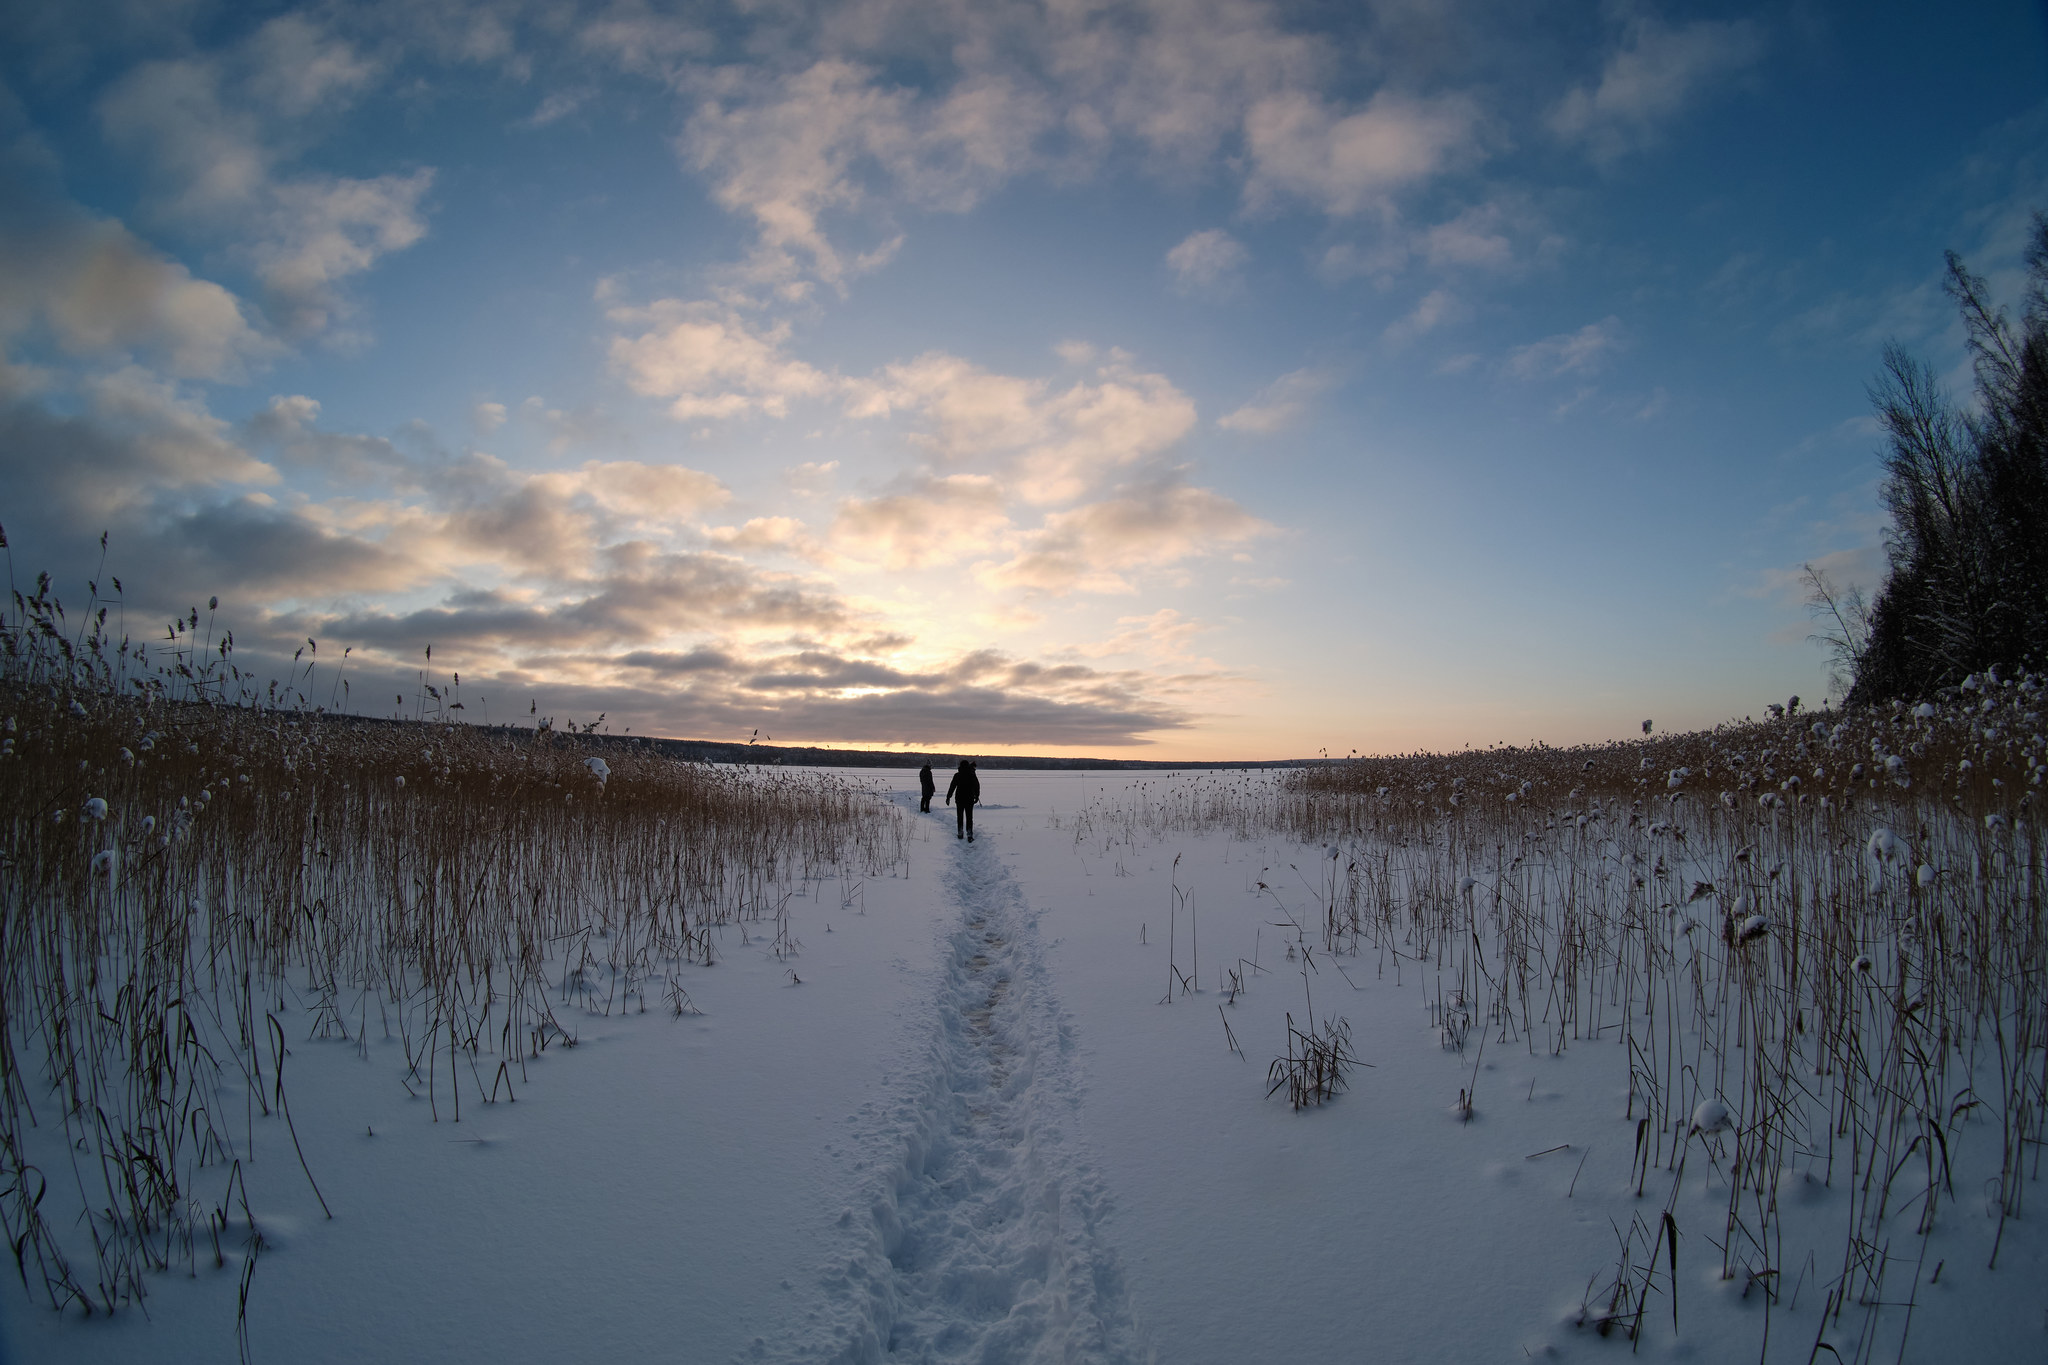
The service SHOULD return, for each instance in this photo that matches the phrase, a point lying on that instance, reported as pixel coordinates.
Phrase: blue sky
(1191, 380)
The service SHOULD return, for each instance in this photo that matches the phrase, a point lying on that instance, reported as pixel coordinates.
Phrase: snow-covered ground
(963, 1122)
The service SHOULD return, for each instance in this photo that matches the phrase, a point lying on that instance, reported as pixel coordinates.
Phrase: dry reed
(190, 867)
(1818, 939)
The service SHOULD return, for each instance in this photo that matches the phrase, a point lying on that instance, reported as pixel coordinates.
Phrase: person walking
(927, 786)
(966, 785)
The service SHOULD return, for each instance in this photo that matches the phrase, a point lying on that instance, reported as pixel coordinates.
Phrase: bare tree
(1844, 620)
(1966, 585)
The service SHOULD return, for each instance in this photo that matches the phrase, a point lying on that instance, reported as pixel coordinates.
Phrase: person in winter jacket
(927, 786)
(964, 791)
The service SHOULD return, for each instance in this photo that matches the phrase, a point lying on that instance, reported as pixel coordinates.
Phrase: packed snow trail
(983, 1241)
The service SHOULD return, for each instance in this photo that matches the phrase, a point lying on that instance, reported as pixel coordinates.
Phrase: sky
(1197, 380)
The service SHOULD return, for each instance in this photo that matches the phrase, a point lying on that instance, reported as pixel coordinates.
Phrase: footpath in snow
(982, 1240)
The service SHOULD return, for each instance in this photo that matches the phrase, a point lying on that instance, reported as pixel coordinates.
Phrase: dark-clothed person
(927, 785)
(964, 791)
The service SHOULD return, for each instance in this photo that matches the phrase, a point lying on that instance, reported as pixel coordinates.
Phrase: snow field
(963, 1124)
(662, 1190)
(1381, 1222)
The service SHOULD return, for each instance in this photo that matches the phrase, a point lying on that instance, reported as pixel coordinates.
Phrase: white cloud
(771, 534)
(1094, 429)
(642, 492)
(785, 149)
(932, 521)
(1650, 79)
(1178, 77)
(296, 68)
(1204, 258)
(1281, 403)
(207, 160)
(325, 229)
(477, 509)
(288, 430)
(709, 363)
(971, 411)
(1164, 635)
(1301, 146)
(1476, 237)
(1049, 444)
(1482, 237)
(211, 131)
(558, 105)
(102, 292)
(644, 42)
(997, 443)
(868, 108)
(1093, 547)
(171, 441)
(1052, 445)
(1431, 311)
(487, 417)
(1581, 352)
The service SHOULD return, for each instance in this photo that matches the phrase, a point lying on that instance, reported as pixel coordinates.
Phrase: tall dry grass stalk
(1819, 940)
(193, 874)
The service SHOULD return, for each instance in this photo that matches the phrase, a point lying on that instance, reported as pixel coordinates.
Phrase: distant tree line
(1966, 581)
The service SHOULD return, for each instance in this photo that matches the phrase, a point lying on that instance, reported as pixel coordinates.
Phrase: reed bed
(1819, 940)
(193, 874)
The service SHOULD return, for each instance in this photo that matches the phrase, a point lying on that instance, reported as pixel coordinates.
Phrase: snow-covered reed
(1819, 939)
(191, 878)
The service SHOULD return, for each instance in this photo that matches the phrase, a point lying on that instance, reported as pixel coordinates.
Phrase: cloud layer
(711, 509)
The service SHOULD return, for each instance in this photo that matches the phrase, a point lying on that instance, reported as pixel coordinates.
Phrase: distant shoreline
(812, 756)
(707, 751)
